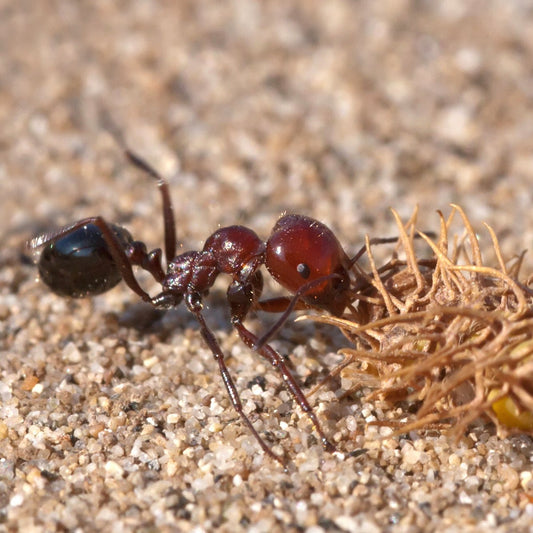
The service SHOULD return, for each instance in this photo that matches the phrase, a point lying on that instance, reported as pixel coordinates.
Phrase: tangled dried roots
(449, 333)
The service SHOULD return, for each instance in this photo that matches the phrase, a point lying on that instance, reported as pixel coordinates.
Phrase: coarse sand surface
(113, 416)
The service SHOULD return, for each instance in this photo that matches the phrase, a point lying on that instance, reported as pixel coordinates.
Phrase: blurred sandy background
(113, 416)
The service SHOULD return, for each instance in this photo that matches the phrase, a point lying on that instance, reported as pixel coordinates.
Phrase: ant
(91, 256)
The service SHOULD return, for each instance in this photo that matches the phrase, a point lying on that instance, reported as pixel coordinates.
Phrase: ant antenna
(383, 240)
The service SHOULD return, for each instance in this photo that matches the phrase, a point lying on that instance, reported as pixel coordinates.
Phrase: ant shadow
(318, 341)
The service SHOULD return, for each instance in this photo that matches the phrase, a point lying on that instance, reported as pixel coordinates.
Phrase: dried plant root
(451, 333)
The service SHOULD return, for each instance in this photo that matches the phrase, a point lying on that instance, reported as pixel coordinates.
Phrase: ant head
(301, 250)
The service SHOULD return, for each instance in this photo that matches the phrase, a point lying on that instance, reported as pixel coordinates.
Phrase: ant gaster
(303, 255)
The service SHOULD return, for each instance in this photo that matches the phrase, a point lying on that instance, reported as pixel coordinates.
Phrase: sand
(114, 416)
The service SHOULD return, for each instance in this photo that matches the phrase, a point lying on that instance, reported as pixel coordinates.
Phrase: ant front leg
(287, 305)
(280, 304)
(240, 298)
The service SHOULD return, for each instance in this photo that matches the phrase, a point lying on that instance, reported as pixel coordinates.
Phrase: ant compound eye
(303, 270)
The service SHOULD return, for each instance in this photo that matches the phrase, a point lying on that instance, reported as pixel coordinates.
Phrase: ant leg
(292, 305)
(275, 359)
(168, 209)
(194, 305)
(278, 305)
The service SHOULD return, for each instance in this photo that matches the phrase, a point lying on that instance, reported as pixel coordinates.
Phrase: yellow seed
(508, 413)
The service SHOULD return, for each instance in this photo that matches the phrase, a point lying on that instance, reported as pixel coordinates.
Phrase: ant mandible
(304, 256)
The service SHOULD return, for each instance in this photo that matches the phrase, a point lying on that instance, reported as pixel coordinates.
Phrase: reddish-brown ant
(303, 255)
